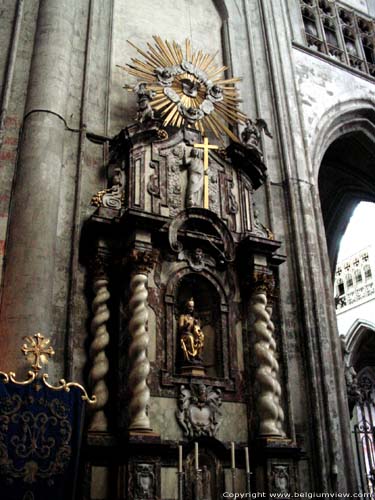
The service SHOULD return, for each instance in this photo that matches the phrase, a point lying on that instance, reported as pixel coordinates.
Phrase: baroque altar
(184, 278)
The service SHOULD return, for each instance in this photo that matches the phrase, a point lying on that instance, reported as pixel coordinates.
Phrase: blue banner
(40, 437)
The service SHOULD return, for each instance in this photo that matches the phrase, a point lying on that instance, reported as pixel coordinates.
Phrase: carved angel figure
(251, 134)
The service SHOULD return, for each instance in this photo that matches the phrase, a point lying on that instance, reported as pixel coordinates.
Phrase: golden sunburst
(187, 87)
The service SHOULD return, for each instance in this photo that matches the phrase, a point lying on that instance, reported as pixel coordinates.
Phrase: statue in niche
(194, 191)
(191, 335)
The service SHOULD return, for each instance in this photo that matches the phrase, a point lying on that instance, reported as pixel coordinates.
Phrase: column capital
(98, 266)
(263, 282)
(142, 261)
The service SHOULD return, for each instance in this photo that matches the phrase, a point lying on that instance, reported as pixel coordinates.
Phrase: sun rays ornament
(185, 88)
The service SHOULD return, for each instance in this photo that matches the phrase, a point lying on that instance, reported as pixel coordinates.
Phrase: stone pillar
(99, 361)
(270, 412)
(27, 300)
(275, 370)
(139, 422)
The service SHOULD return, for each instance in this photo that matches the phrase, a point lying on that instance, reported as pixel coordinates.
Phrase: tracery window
(340, 33)
(367, 271)
(358, 276)
(349, 280)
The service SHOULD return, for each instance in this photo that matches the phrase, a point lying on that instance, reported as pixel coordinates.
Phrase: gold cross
(39, 349)
(205, 146)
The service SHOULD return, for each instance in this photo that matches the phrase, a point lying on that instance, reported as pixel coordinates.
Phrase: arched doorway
(346, 178)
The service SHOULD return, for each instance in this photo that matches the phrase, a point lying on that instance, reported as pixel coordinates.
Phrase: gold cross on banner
(206, 147)
(38, 349)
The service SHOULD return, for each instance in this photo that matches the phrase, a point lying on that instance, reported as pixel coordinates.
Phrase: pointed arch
(359, 337)
(342, 118)
(343, 156)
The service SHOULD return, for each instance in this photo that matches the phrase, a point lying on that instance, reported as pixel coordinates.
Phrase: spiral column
(275, 372)
(142, 263)
(98, 357)
(268, 402)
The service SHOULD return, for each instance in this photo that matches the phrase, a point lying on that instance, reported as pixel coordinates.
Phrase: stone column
(99, 367)
(275, 370)
(270, 412)
(27, 300)
(142, 263)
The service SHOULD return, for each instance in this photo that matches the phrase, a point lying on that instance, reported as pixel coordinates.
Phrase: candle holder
(180, 478)
(198, 483)
(248, 482)
(233, 470)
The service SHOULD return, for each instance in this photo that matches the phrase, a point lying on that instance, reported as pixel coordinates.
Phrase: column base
(193, 371)
(143, 432)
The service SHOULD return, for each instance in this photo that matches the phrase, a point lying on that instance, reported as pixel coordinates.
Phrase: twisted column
(140, 338)
(270, 412)
(99, 360)
(275, 373)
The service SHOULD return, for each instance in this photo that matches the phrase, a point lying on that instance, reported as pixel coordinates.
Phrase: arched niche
(207, 310)
(346, 175)
(212, 309)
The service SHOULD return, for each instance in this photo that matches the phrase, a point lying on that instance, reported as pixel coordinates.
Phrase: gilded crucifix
(206, 147)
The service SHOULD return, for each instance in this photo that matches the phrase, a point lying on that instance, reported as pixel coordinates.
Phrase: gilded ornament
(187, 88)
(37, 349)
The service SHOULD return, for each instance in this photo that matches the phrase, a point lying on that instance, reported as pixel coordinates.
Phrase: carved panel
(144, 486)
(199, 410)
(144, 480)
(280, 481)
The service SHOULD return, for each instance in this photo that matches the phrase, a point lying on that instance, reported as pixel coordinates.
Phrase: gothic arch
(359, 341)
(341, 118)
(342, 158)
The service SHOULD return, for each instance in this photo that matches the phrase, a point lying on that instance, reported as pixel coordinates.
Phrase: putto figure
(191, 335)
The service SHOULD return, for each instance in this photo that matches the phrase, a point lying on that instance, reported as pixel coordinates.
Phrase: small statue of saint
(191, 335)
(194, 191)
